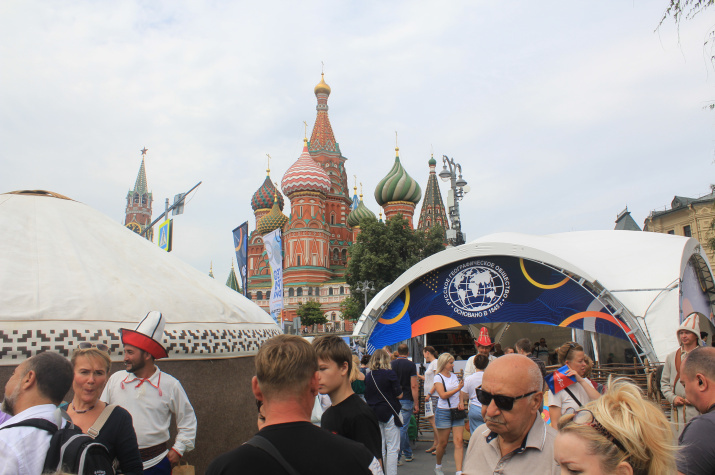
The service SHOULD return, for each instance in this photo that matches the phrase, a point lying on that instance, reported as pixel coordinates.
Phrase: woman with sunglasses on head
(571, 398)
(91, 371)
(621, 433)
(448, 386)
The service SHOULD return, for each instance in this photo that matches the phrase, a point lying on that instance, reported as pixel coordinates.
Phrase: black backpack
(71, 450)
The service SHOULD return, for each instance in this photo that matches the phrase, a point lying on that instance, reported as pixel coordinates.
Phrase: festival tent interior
(70, 274)
(620, 293)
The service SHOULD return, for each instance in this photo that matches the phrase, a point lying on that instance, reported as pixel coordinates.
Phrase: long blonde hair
(380, 360)
(637, 423)
(443, 360)
(355, 369)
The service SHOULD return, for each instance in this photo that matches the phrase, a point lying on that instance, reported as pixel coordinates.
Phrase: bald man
(516, 440)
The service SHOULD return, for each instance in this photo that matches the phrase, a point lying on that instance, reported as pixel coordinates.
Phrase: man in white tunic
(484, 345)
(151, 397)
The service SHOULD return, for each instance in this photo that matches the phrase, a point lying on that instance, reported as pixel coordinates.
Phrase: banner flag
(240, 243)
(558, 379)
(274, 249)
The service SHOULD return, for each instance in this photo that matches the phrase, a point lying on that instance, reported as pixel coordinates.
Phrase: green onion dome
(264, 196)
(272, 221)
(397, 185)
(432, 162)
(359, 213)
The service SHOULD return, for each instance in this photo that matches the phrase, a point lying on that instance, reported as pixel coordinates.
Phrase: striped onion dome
(397, 185)
(264, 196)
(305, 175)
(272, 221)
(359, 213)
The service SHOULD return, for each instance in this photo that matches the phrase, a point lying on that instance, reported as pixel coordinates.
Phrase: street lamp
(364, 286)
(452, 172)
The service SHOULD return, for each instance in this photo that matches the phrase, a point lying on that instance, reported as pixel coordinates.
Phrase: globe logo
(477, 288)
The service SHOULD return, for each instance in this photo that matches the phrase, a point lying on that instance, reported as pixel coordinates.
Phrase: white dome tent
(637, 286)
(71, 274)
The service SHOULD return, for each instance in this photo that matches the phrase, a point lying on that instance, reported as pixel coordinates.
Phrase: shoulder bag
(397, 414)
(455, 413)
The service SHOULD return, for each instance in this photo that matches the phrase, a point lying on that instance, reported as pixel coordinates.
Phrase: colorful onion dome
(305, 175)
(264, 196)
(397, 185)
(272, 221)
(359, 213)
(432, 162)
(322, 87)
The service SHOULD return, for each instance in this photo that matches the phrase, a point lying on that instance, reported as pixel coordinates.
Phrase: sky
(561, 113)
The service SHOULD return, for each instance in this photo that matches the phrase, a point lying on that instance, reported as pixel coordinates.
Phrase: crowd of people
(593, 429)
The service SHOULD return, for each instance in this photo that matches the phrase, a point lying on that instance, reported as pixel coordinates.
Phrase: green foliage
(352, 307)
(310, 313)
(687, 8)
(383, 251)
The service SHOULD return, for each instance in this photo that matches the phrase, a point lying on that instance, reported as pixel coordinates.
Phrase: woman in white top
(448, 385)
(570, 399)
(469, 392)
(430, 355)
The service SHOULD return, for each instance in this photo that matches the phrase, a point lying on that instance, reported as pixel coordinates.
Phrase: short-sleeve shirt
(405, 370)
(450, 384)
(697, 451)
(429, 376)
(354, 419)
(470, 387)
(564, 400)
(536, 454)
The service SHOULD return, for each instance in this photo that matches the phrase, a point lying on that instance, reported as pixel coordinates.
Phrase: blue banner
(240, 244)
(493, 289)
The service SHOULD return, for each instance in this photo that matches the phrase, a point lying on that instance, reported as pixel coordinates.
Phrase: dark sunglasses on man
(504, 403)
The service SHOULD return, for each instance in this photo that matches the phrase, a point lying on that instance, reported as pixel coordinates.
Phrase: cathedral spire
(433, 211)
(322, 138)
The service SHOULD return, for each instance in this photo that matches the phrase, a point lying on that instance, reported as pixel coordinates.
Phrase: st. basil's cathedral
(323, 223)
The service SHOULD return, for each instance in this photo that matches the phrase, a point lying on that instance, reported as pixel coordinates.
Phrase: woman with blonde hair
(91, 371)
(382, 390)
(620, 433)
(357, 379)
(571, 398)
(448, 385)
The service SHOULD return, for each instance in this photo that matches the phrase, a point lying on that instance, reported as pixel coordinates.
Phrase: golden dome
(322, 87)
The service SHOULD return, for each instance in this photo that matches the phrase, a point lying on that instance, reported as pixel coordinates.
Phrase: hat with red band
(148, 335)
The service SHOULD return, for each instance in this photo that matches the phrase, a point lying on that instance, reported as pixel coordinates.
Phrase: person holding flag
(568, 388)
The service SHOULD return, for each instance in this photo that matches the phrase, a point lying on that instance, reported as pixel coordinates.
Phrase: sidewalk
(423, 463)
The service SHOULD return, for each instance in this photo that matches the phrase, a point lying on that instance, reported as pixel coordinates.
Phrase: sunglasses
(584, 417)
(85, 345)
(504, 403)
(572, 345)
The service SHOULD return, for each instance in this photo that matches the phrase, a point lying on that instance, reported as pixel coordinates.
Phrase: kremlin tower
(433, 212)
(138, 210)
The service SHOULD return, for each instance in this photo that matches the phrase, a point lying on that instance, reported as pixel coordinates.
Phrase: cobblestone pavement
(423, 463)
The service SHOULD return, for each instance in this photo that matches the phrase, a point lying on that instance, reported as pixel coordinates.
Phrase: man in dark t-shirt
(286, 382)
(407, 376)
(348, 415)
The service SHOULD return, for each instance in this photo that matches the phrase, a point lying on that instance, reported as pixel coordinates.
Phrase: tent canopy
(71, 274)
(623, 283)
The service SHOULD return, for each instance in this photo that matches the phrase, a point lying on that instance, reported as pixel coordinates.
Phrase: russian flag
(558, 379)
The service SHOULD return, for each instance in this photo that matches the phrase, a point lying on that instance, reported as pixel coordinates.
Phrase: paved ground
(424, 463)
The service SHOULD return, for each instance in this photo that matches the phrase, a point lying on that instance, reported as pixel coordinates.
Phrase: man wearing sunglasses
(516, 440)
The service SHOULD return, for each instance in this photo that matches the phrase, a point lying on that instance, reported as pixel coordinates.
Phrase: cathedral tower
(398, 193)
(433, 212)
(138, 211)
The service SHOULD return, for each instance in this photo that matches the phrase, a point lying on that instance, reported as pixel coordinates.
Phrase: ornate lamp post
(452, 171)
(365, 286)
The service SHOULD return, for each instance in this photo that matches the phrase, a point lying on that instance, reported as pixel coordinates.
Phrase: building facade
(691, 217)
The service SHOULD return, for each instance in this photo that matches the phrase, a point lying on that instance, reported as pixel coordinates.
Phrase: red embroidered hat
(484, 339)
(148, 335)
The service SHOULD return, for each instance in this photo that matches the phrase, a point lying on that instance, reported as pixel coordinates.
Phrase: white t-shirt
(449, 384)
(429, 376)
(470, 369)
(564, 400)
(470, 387)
